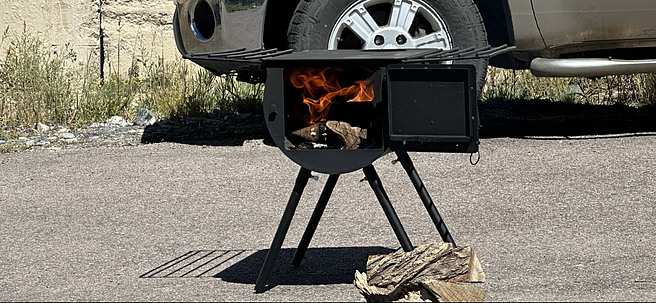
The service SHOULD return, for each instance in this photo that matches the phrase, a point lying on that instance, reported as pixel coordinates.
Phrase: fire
(320, 89)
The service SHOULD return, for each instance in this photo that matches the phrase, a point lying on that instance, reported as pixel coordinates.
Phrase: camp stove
(338, 111)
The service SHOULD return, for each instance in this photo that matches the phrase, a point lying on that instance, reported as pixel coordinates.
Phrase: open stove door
(432, 108)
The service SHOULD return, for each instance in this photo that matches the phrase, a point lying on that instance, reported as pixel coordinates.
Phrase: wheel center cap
(389, 38)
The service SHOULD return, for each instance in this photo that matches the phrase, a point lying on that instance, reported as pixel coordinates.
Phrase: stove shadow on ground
(321, 266)
(499, 118)
(212, 130)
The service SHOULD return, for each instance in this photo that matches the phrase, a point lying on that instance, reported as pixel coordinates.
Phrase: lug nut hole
(379, 40)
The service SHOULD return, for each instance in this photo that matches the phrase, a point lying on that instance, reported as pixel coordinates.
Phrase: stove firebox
(345, 113)
(332, 108)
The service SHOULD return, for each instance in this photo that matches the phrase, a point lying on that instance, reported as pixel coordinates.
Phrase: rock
(574, 89)
(146, 117)
(68, 136)
(42, 127)
(118, 121)
(254, 143)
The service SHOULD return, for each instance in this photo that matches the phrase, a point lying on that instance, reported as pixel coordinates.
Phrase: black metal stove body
(416, 107)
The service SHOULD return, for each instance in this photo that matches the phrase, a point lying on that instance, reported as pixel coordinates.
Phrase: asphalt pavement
(551, 218)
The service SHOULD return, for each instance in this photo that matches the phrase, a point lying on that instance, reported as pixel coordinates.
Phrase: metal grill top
(256, 58)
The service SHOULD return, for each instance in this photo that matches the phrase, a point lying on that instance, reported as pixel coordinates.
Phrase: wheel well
(276, 21)
(498, 24)
(499, 27)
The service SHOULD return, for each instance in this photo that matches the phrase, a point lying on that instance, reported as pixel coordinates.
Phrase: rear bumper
(227, 26)
(590, 67)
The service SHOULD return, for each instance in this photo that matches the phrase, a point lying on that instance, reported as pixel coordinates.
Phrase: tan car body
(548, 28)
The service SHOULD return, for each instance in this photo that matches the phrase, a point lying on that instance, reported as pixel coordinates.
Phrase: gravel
(147, 128)
(499, 118)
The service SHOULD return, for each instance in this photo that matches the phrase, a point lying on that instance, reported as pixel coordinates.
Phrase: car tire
(314, 21)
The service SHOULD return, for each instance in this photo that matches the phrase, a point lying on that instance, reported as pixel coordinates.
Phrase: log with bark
(431, 273)
(349, 136)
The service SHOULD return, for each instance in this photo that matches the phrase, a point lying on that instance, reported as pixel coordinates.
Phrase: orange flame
(320, 89)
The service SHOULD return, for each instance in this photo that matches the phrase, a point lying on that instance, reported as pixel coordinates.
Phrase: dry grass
(633, 90)
(39, 84)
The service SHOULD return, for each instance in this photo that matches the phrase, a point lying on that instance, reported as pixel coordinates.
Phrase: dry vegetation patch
(49, 85)
(52, 85)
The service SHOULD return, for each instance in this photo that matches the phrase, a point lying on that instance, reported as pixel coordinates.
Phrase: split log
(453, 292)
(350, 136)
(313, 133)
(430, 273)
(437, 261)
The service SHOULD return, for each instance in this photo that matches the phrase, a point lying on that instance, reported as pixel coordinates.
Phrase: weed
(35, 85)
(632, 90)
(39, 84)
(12, 148)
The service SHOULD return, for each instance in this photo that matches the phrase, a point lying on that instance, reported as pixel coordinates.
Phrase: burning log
(430, 273)
(350, 136)
(316, 133)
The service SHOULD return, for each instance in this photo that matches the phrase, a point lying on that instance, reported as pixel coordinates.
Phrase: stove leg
(272, 256)
(314, 220)
(409, 167)
(377, 186)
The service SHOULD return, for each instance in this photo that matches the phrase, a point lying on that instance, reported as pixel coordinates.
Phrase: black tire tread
(302, 31)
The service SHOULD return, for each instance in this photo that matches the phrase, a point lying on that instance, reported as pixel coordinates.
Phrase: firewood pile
(434, 272)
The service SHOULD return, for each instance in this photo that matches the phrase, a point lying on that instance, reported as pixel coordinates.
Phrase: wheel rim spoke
(403, 13)
(414, 20)
(433, 40)
(361, 23)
